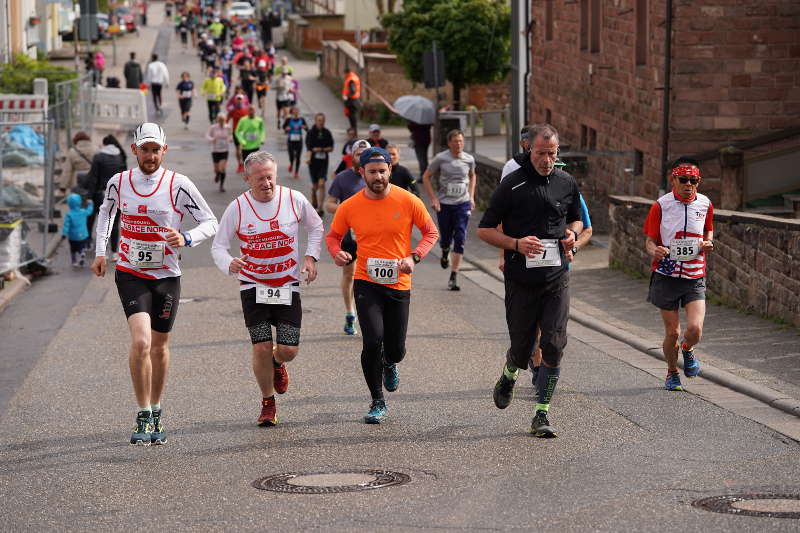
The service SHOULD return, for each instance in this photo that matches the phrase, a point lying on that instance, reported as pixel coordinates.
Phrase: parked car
(126, 18)
(102, 29)
(241, 10)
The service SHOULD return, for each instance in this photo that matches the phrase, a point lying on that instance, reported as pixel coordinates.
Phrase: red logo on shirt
(273, 224)
(142, 209)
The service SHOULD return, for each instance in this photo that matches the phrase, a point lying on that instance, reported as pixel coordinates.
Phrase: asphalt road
(630, 455)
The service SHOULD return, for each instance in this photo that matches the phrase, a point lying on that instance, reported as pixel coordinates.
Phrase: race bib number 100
(273, 295)
(383, 271)
(146, 254)
(684, 249)
(550, 257)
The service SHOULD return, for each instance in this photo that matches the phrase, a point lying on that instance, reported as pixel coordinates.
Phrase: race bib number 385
(146, 254)
(684, 249)
(383, 271)
(550, 257)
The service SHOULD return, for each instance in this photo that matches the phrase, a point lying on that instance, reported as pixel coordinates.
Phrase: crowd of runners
(536, 217)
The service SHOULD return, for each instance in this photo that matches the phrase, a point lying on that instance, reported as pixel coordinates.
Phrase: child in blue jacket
(75, 228)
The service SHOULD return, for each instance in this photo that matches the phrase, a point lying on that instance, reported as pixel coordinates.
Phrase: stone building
(727, 70)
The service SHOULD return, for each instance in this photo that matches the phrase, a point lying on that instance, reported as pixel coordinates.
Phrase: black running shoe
(159, 434)
(452, 285)
(503, 392)
(445, 259)
(540, 426)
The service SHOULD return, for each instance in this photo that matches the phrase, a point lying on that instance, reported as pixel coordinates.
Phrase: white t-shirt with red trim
(149, 206)
(670, 219)
(268, 235)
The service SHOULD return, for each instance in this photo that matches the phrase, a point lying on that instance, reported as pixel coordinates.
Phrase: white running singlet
(268, 236)
(149, 206)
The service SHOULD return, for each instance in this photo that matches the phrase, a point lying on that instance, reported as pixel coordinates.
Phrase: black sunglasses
(693, 181)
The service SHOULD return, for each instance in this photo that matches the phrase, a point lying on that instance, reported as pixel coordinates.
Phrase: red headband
(686, 170)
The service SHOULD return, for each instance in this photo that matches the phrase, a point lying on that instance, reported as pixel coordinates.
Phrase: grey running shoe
(540, 426)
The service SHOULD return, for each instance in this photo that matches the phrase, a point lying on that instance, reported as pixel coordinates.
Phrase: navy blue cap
(375, 154)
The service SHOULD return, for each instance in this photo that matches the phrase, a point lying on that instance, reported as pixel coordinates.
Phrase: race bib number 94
(550, 257)
(383, 271)
(273, 295)
(684, 249)
(146, 254)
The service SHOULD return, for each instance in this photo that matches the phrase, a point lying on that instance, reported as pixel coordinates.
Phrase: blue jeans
(453, 220)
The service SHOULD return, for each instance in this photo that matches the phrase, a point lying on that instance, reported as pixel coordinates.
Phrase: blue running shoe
(391, 378)
(349, 324)
(143, 430)
(673, 381)
(691, 364)
(158, 436)
(377, 412)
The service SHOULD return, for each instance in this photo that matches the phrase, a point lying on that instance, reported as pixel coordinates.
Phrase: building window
(638, 163)
(592, 139)
(584, 137)
(548, 20)
(584, 32)
(596, 18)
(642, 33)
(548, 116)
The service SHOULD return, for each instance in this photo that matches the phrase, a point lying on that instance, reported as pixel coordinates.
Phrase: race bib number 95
(146, 254)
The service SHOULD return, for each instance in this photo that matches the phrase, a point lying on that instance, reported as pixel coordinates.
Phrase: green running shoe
(673, 381)
(158, 436)
(540, 426)
(143, 429)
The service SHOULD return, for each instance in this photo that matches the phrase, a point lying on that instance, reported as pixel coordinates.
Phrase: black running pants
(383, 316)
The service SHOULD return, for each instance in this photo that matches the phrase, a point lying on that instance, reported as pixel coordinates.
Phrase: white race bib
(550, 257)
(383, 271)
(456, 189)
(274, 295)
(220, 145)
(320, 155)
(684, 249)
(252, 136)
(186, 94)
(146, 254)
(294, 137)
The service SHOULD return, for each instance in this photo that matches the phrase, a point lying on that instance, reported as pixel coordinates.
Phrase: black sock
(546, 381)
(453, 275)
(221, 178)
(268, 398)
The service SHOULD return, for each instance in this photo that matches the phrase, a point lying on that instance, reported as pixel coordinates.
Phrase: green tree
(17, 77)
(474, 35)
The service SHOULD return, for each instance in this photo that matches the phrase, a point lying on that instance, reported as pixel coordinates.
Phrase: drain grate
(763, 505)
(331, 481)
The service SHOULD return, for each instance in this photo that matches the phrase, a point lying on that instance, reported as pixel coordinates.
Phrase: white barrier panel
(119, 107)
(23, 108)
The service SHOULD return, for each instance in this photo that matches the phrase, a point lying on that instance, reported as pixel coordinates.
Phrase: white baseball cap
(361, 143)
(149, 132)
(374, 127)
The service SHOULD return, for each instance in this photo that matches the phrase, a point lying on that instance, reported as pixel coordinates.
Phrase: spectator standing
(375, 138)
(421, 135)
(107, 162)
(75, 228)
(78, 161)
(133, 73)
(351, 94)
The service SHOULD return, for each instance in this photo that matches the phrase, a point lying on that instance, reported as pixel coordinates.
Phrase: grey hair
(545, 131)
(261, 157)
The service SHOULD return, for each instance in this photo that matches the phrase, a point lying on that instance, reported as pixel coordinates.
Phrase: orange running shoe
(281, 381)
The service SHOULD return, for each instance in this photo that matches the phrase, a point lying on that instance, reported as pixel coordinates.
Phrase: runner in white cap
(153, 202)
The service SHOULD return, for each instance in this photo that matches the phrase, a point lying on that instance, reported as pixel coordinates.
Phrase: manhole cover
(766, 505)
(326, 482)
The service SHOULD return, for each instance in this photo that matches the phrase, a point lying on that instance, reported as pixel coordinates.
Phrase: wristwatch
(187, 238)
(415, 256)
(574, 251)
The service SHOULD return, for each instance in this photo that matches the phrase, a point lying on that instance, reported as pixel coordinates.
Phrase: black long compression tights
(383, 316)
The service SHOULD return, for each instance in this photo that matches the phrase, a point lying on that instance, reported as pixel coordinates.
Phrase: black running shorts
(259, 319)
(156, 297)
(216, 157)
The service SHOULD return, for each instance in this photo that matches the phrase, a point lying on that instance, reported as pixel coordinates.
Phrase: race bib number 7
(146, 254)
(273, 295)
(383, 271)
(550, 257)
(684, 249)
